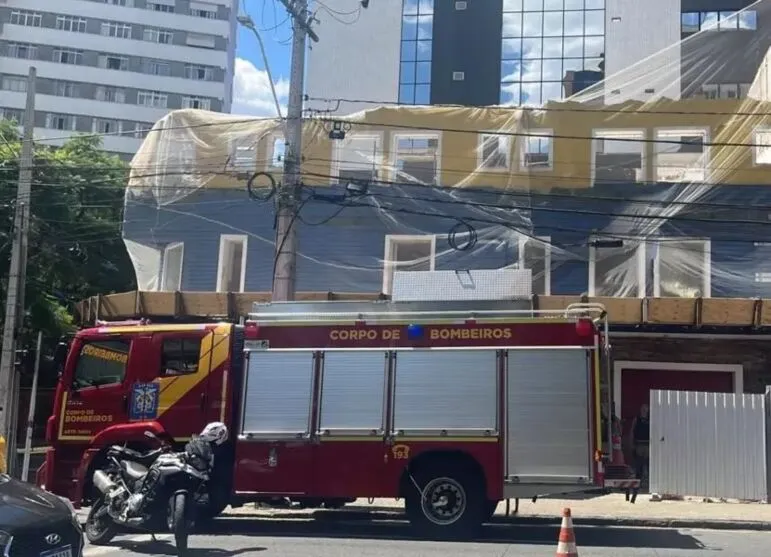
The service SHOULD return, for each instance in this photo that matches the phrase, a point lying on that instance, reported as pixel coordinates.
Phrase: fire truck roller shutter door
(277, 393)
(548, 398)
(452, 391)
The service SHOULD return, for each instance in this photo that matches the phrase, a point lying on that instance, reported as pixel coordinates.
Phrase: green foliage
(75, 245)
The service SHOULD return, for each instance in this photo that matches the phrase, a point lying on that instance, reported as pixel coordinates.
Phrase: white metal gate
(708, 445)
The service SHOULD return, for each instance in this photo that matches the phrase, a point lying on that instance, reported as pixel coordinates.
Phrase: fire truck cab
(453, 406)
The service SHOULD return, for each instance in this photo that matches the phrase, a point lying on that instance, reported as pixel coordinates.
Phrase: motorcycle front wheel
(100, 528)
(177, 521)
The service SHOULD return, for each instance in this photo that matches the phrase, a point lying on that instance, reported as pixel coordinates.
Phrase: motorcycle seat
(134, 470)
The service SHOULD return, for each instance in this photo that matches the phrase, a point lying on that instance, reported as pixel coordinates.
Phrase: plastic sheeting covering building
(648, 197)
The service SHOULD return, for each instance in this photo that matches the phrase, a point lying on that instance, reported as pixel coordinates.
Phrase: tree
(75, 245)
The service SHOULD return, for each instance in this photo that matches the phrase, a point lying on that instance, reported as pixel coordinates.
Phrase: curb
(341, 515)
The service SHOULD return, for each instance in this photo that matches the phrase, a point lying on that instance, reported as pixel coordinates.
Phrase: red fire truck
(451, 407)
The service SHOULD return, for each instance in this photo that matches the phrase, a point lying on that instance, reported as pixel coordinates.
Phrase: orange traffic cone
(566, 546)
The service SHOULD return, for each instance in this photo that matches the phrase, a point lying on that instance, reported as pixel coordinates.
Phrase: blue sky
(251, 90)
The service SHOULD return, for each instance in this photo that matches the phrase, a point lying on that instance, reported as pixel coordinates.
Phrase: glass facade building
(545, 50)
(416, 46)
(548, 43)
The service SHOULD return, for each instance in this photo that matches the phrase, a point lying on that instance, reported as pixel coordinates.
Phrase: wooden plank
(728, 311)
(671, 311)
(214, 305)
(621, 310)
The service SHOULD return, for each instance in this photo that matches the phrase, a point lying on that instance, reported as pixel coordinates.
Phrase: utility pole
(14, 304)
(288, 197)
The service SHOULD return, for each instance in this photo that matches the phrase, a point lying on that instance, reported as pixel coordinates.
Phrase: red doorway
(636, 385)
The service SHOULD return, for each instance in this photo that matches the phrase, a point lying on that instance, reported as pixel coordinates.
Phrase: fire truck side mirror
(60, 356)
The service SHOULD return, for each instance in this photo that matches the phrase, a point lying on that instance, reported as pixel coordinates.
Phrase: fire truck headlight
(415, 332)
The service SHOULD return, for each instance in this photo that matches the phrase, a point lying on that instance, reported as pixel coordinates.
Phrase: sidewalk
(606, 510)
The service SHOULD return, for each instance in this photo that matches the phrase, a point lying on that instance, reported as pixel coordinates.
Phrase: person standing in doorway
(641, 436)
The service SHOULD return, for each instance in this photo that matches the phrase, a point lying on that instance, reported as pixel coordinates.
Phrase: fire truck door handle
(125, 404)
(203, 401)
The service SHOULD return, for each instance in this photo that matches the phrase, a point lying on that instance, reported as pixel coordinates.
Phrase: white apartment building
(115, 67)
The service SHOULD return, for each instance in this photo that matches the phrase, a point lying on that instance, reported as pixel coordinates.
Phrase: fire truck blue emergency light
(414, 332)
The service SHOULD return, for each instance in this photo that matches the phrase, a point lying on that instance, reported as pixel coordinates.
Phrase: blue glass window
(546, 44)
(417, 43)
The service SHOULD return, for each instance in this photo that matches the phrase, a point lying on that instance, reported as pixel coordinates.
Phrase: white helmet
(215, 432)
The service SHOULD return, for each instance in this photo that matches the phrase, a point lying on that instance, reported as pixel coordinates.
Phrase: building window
(171, 269)
(118, 30)
(416, 46)
(416, 159)
(682, 268)
(681, 155)
(160, 7)
(204, 10)
(761, 146)
(12, 115)
(689, 22)
(277, 148)
(407, 253)
(725, 90)
(70, 23)
(111, 62)
(66, 89)
(618, 156)
(110, 94)
(64, 122)
(357, 158)
(199, 73)
(535, 254)
(617, 271)
(231, 267)
(199, 103)
(23, 17)
(158, 36)
(537, 150)
(154, 99)
(65, 56)
(243, 158)
(128, 3)
(692, 22)
(22, 50)
(550, 49)
(201, 41)
(104, 126)
(156, 67)
(142, 130)
(15, 84)
(494, 152)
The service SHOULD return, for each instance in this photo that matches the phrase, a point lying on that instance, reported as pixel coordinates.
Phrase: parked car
(36, 523)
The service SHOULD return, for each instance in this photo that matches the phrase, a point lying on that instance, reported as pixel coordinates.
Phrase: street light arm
(247, 22)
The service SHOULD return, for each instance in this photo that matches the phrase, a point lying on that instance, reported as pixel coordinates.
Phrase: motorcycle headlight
(5, 543)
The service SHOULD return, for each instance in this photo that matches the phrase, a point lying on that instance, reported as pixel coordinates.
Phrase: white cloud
(251, 91)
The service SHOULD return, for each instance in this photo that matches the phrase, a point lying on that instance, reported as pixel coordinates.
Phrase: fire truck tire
(453, 505)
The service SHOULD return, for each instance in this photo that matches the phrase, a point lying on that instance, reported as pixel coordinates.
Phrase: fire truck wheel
(453, 504)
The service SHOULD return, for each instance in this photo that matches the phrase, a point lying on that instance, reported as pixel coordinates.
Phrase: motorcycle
(166, 487)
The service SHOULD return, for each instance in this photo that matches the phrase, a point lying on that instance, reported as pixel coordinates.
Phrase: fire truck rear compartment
(549, 430)
(346, 422)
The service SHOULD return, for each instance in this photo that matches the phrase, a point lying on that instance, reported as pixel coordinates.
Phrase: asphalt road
(309, 538)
